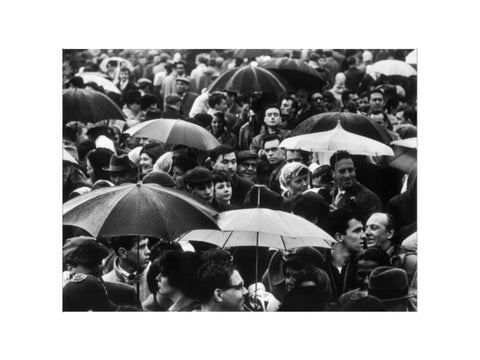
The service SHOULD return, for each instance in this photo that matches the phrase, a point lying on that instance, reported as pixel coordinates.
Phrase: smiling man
(379, 230)
(348, 191)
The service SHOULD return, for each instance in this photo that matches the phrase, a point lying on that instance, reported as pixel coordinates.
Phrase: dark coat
(240, 187)
(346, 279)
(187, 102)
(361, 200)
(121, 294)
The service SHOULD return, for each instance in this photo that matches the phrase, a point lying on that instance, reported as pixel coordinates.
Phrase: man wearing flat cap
(199, 182)
(182, 86)
(121, 170)
(247, 165)
(84, 255)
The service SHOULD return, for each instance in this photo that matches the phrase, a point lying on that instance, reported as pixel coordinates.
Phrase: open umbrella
(411, 58)
(250, 80)
(138, 209)
(121, 61)
(68, 157)
(337, 139)
(405, 157)
(100, 80)
(296, 72)
(393, 67)
(89, 106)
(251, 53)
(171, 131)
(354, 123)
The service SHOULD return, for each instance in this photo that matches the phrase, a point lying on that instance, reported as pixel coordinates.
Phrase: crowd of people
(368, 207)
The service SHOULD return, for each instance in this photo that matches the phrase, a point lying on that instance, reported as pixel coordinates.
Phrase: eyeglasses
(272, 114)
(236, 287)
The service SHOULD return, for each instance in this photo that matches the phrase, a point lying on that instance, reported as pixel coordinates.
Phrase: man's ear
(217, 295)
(339, 237)
(122, 252)
(390, 234)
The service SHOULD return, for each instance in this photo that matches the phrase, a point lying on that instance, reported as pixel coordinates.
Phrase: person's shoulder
(110, 276)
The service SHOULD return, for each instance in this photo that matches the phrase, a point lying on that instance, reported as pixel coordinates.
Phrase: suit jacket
(187, 103)
(121, 294)
(240, 187)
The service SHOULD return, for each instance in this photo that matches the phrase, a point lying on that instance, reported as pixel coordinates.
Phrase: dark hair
(147, 100)
(220, 117)
(337, 221)
(351, 60)
(378, 91)
(132, 97)
(410, 114)
(180, 268)
(290, 98)
(220, 176)
(202, 59)
(183, 162)
(340, 155)
(125, 69)
(127, 242)
(216, 98)
(271, 137)
(220, 150)
(212, 274)
(377, 255)
(163, 246)
(310, 206)
(345, 96)
(99, 158)
(77, 82)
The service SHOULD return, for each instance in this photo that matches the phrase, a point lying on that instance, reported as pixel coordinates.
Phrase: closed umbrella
(405, 157)
(100, 80)
(296, 72)
(354, 123)
(138, 209)
(337, 139)
(172, 131)
(393, 67)
(89, 106)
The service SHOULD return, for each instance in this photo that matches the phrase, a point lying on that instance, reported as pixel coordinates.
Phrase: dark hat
(99, 158)
(84, 250)
(154, 150)
(198, 175)
(172, 99)
(304, 257)
(96, 131)
(132, 96)
(183, 162)
(160, 178)
(119, 164)
(388, 284)
(246, 155)
(322, 171)
(185, 79)
(367, 303)
(86, 293)
(376, 255)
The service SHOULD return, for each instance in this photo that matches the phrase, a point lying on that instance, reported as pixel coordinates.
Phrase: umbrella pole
(256, 266)
(139, 304)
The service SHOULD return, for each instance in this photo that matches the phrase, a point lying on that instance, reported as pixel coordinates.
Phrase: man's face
(344, 174)
(226, 162)
(273, 152)
(182, 87)
(272, 117)
(379, 119)
(317, 100)
(302, 97)
(122, 178)
(223, 191)
(222, 106)
(364, 269)
(180, 69)
(123, 75)
(233, 297)
(294, 155)
(203, 191)
(376, 103)
(248, 169)
(364, 104)
(290, 278)
(376, 230)
(286, 107)
(354, 237)
(138, 255)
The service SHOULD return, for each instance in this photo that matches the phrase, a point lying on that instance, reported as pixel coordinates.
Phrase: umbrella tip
(139, 182)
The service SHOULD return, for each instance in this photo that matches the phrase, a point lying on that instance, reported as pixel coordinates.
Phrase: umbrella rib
(283, 241)
(228, 238)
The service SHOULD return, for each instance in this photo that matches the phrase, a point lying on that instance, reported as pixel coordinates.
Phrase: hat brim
(408, 296)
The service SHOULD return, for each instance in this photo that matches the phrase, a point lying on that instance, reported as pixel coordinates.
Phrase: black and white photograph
(256, 180)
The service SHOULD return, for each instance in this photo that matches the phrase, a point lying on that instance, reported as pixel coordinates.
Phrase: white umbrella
(405, 157)
(411, 58)
(337, 139)
(394, 67)
(170, 131)
(100, 80)
(68, 157)
(120, 60)
(410, 143)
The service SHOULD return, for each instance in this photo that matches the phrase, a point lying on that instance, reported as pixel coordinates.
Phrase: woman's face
(223, 192)
(89, 169)
(298, 184)
(217, 125)
(164, 287)
(123, 75)
(177, 173)
(146, 163)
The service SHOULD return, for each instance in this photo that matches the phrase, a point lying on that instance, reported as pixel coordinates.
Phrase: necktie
(339, 197)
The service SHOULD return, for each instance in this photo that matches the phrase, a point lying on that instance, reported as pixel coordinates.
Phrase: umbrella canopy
(411, 58)
(121, 61)
(337, 139)
(138, 209)
(296, 72)
(393, 67)
(171, 131)
(251, 53)
(405, 157)
(100, 80)
(250, 80)
(354, 123)
(68, 157)
(89, 106)
(262, 227)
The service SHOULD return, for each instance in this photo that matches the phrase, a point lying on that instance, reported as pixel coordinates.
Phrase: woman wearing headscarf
(294, 179)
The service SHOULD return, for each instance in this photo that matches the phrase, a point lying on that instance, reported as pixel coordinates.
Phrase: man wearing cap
(348, 191)
(84, 255)
(121, 170)
(131, 263)
(199, 182)
(272, 122)
(247, 165)
(182, 89)
(172, 107)
(390, 285)
(169, 83)
(380, 231)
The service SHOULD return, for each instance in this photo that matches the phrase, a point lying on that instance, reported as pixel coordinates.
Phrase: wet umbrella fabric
(171, 131)
(354, 123)
(405, 157)
(89, 106)
(100, 80)
(138, 209)
(296, 72)
(394, 67)
(337, 139)
(250, 80)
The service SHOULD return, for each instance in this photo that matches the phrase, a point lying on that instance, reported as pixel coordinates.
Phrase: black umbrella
(297, 73)
(89, 106)
(250, 80)
(355, 123)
